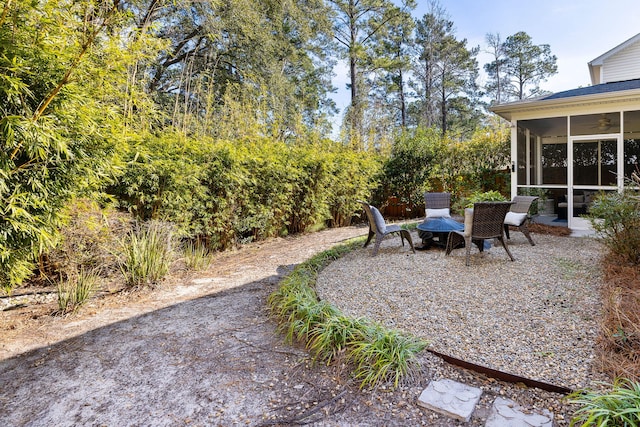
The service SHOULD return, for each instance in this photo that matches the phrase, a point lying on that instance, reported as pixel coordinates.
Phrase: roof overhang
(541, 107)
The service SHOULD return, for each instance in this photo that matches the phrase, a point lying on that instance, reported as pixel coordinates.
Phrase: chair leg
(504, 245)
(453, 241)
(371, 234)
(506, 231)
(467, 244)
(525, 231)
(407, 236)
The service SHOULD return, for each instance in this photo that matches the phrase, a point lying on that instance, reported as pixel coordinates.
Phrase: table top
(440, 224)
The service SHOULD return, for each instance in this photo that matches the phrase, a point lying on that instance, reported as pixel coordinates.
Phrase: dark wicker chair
(487, 223)
(519, 216)
(379, 229)
(437, 200)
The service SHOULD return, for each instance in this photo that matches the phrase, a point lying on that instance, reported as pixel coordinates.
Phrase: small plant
(147, 254)
(76, 290)
(543, 196)
(487, 196)
(333, 337)
(620, 407)
(197, 256)
(382, 355)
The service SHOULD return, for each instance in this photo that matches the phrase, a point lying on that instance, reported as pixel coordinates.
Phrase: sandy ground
(201, 351)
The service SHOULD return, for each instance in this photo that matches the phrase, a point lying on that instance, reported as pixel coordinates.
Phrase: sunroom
(568, 146)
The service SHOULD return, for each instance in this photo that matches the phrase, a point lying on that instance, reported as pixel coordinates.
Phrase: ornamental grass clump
(383, 355)
(331, 339)
(76, 290)
(619, 407)
(377, 354)
(147, 254)
(197, 256)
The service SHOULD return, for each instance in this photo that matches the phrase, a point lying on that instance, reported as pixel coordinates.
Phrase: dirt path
(197, 352)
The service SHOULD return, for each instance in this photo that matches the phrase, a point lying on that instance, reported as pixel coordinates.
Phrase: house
(570, 145)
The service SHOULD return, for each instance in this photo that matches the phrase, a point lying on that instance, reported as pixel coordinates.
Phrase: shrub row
(221, 192)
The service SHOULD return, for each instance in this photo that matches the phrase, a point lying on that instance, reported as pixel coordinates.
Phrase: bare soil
(199, 350)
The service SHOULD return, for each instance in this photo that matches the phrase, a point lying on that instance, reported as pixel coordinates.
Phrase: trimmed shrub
(227, 192)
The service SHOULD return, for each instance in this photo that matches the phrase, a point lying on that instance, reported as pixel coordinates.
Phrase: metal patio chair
(379, 229)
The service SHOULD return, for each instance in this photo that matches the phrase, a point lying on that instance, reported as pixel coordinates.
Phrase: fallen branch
(307, 414)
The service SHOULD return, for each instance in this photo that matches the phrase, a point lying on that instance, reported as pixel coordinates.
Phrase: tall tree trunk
(403, 101)
(443, 105)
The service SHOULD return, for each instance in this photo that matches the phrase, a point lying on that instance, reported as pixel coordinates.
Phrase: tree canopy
(210, 113)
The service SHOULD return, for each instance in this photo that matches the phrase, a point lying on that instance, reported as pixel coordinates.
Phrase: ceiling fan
(604, 123)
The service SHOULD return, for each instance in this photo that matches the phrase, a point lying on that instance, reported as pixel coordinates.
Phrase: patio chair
(519, 216)
(485, 221)
(379, 229)
(437, 205)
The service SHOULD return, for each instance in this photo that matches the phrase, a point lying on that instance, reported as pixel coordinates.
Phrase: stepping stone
(450, 398)
(507, 413)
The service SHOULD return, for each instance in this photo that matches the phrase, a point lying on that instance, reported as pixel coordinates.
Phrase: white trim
(514, 158)
(600, 59)
(577, 222)
(601, 102)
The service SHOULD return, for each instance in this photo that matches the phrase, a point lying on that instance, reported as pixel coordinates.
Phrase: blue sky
(577, 31)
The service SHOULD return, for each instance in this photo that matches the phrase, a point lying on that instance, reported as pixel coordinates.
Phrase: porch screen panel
(533, 173)
(592, 124)
(595, 162)
(551, 132)
(554, 162)
(631, 143)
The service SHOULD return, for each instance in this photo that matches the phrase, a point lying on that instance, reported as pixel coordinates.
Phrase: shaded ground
(198, 352)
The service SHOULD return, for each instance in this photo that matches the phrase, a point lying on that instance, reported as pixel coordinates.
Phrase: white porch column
(514, 158)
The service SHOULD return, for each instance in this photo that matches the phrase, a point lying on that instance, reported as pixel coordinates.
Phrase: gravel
(535, 317)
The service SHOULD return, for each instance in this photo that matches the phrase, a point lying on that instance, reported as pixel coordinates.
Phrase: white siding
(623, 65)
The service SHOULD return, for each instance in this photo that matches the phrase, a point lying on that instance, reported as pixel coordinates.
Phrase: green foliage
(410, 165)
(147, 254)
(446, 71)
(197, 255)
(619, 407)
(76, 290)
(272, 54)
(225, 192)
(58, 122)
(486, 196)
(616, 218)
(377, 354)
(422, 160)
(518, 67)
(332, 337)
(383, 355)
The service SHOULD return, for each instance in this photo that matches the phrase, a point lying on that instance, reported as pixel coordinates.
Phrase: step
(458, 401)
